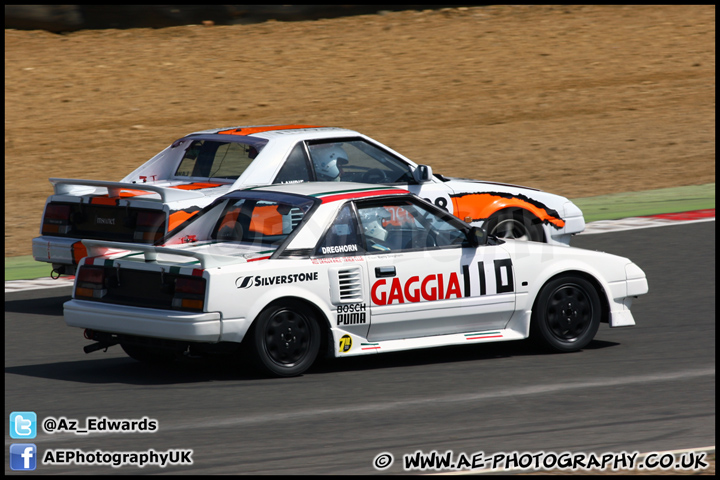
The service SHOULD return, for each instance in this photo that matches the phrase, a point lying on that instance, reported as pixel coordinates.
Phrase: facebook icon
(23, 456)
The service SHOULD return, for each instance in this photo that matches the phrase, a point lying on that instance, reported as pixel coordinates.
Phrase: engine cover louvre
(346, 285)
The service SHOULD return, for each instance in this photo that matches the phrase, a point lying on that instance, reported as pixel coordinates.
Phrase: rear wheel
(285, 339)
(515, 224)
(567, 314)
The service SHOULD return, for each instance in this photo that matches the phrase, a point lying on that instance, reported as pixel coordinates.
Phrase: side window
(357, 161)
(400, 225)
(295, 169)
(341, 238)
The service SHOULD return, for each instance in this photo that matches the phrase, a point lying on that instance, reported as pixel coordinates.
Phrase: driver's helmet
(328, 160)
(373, 221)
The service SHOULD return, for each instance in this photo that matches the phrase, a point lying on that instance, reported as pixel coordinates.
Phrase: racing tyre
(285, 339)
(148, 355)
(566, 315)
(515, 224)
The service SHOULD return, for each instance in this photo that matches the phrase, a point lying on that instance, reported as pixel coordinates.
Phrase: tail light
(56, 219)
(90, 282)
(150, 226)
(189, 293)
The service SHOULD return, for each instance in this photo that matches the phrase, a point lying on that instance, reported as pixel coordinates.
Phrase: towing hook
(55, 273)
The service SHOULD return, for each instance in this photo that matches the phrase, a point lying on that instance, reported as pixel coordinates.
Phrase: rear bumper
(144, 322)
(56, 250)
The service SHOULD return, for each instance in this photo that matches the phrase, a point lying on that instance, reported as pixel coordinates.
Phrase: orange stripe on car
(268, 128)
(480, 206)
(197, 186)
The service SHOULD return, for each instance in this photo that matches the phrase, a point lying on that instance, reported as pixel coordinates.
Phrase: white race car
(287, 272)
(198, 168)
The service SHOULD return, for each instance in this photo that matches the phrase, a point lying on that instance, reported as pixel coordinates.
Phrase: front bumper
(574, 224)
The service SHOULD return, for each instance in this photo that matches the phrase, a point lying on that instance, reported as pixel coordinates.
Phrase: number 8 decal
(440, 202)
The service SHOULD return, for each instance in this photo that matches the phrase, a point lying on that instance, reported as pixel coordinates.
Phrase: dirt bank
(578, 100)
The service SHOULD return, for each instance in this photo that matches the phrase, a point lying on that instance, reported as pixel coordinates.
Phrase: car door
(424, 278)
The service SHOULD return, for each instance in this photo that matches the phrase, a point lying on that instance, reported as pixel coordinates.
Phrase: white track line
(634, 223)
(38, 283)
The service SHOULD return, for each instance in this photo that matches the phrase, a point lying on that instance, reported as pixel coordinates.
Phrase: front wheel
(567, 314)
(285, 340)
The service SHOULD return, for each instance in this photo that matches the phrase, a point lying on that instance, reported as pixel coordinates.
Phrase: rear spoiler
(63, 186)
(100, 247)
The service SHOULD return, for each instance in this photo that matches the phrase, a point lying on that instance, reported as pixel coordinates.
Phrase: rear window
(213, 159)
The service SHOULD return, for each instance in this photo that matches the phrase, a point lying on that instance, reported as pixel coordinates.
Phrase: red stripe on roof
(367, 193)
(259, 258)
(268, 128)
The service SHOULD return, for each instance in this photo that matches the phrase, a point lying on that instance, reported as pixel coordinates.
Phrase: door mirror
(423, 174)
(477, 236)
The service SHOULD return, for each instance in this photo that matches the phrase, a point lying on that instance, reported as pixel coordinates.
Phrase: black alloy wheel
(567, 314)
(286, 339)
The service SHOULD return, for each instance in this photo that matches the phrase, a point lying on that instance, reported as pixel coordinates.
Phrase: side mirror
(477, 236)
(423, 174)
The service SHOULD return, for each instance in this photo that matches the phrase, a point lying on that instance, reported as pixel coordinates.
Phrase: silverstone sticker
(351, 314)
(340, 249)
(260, 281)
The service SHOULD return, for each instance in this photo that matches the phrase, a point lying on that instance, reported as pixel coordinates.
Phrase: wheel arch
(532, 216)
(479, 206)
(599, 288)
(318, 314)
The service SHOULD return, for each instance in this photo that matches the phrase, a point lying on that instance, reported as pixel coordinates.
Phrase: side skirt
(347, 344)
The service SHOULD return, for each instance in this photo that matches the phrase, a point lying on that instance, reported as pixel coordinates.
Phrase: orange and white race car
(200, 167)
